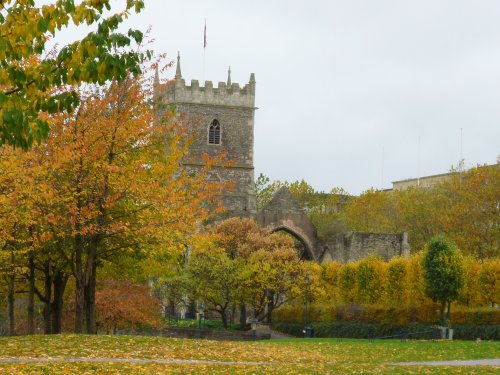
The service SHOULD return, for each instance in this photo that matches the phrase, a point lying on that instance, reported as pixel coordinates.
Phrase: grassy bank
(275, 356)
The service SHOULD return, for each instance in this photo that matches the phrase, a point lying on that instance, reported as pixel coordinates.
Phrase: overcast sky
(345, 89)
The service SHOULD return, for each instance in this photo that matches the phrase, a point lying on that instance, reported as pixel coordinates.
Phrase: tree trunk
(60, 280)
(79, 305)
(90, 296)
(270, 306)
(47, 327)
(11, 299)
(243, 316)
(80, 285)
(31, 294)
(448, 313)
(443, 311)
(224, 318)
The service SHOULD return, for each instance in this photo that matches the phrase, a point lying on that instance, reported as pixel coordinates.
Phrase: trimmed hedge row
(426, 313)
(373, 330)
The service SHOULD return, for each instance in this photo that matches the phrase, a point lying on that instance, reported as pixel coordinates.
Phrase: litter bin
(308, 332)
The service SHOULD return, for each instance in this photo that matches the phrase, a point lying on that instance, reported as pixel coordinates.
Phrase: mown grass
(288, 356)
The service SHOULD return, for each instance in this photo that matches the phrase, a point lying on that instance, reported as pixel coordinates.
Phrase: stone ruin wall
(351, 247)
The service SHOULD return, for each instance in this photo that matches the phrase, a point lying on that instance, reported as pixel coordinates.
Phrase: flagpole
(382, 170)
(204, 48)
(418, 163)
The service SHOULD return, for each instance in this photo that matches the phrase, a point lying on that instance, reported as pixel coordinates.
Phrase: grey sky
(346, 88)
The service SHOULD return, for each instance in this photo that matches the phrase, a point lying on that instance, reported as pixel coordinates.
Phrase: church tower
(223, 119)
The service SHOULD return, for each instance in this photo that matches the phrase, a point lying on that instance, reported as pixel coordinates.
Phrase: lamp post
(201, 309)
(306, 328)
(253, 324)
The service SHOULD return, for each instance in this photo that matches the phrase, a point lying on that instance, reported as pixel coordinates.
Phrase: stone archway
(283, 213)
(308, 253)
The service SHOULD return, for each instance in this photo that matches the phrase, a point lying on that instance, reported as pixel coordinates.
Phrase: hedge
(380, 314)
(343, 329)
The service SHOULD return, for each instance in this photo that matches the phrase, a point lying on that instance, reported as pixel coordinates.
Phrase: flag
(205, 36)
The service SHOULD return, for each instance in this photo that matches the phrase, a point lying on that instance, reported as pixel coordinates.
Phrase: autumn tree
(443, 272)
(331, 281)
(373, 211)
(26, 90)
(108, 184)
(126, 305)
(489, 281)
(245, 265)
(270, 278)
(347, 283)
(370, 276)
(17, 250)
(471, 292)
(397, 284)
(470, 215)
(214, 279)
(123, 187)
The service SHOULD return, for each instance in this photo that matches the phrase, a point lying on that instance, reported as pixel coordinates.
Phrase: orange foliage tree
(125, 305)
(244, 265)
(121, 184)
(109, 183)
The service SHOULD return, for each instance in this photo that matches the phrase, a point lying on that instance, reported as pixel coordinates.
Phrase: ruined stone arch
(295, 232)
(284, 213)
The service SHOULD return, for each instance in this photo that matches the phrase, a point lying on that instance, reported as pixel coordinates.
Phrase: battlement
(179, 92)
(225, 94)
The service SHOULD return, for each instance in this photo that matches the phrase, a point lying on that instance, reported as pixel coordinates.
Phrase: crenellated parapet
(224, 94)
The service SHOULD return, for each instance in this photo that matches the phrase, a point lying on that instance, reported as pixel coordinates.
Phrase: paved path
(280, 335)
(122, 360)
(472, 362)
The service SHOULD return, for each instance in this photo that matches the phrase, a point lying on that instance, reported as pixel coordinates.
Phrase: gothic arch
(214, 133)
(284, 213)
(308, 247)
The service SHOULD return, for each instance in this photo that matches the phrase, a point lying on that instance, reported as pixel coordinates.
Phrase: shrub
(370, 280)
(347, 282)
(380, 314)
(396, 291)
(374, 330)
(489, 281)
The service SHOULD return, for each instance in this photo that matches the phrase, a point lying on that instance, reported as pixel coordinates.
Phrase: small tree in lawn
(444, 272)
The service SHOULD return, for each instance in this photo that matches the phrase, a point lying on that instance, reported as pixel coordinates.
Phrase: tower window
(214, 133)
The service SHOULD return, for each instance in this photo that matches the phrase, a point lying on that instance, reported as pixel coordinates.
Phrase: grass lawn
(290, 356)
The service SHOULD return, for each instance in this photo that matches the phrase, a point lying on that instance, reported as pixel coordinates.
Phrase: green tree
(264, 191)
(214, 279)
(444, 272)
(29, 87)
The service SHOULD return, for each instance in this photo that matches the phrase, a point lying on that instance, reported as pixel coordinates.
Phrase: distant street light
(307, 330)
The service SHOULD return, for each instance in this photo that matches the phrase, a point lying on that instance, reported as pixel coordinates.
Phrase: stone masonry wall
(233, 107)
(353, 246)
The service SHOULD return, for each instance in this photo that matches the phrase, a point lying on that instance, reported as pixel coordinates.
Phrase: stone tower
(223, 119)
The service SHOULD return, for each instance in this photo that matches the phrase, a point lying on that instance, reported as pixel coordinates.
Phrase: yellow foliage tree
(397, 284)
(489, 281)
(370, 279)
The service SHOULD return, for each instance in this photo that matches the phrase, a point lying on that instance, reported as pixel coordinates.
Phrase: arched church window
(214, 133)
